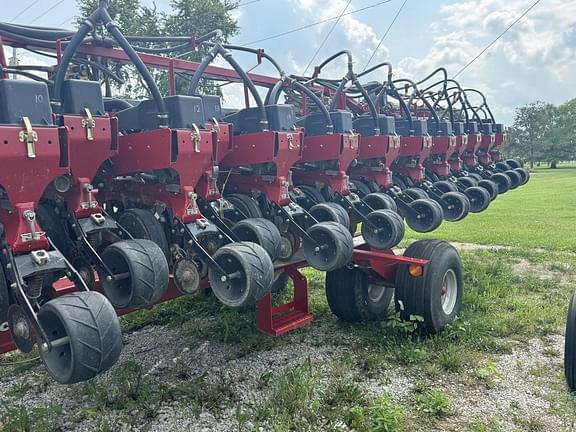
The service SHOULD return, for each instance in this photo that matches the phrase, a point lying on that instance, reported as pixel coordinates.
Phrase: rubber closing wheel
(245, 205)
(515, 178)
(503, 166)
(332, 247)
(360, 188)
(86, 334)
(4, 296)
(475, 176)
(479, 199)
(353, 297)
(570, 346)
(436, 296)
(416, 193)
(380, 201)
(446, 186)
(260, 231)
(455, 205)
(330, 212)
(524, 174)
(490, 187)
(249, 274)
(513, 163)
(502, 181)
(142, 224)
(312, 193)
(428, 217)
(142, 273)
(466, 182)
(384, 229)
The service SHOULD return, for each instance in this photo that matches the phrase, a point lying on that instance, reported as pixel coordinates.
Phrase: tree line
(543, 133)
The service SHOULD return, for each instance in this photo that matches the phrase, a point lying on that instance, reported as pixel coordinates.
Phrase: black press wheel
(416, 193)
(455, 205)
(384, 230)
(513, 163)
(490, 187)
(467, 181)
(354, 297)
(360, 188)
(380, 201)
(503, 166)
(428, 217)
(524, 174)
(330, 212)
(249, 274)
(397, 180)
(515, 178)
(141, 273)
(260, 231)
(475, 176)
(245, 205)
(312, 193)
(142, 224)
(85, 333)
(436, 295)
(570, 346)
(332, 247)
(502, 181)
(446, 186)
(479, 198)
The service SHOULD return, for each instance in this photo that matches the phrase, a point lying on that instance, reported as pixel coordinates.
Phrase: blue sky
(534, 61)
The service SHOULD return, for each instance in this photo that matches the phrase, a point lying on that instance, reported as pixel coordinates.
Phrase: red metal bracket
(276, 321)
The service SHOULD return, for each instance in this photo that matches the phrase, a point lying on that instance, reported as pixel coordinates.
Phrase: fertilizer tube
(219, 49)
(484, 104)
(335, 56)
(405, 108)
(378, 66)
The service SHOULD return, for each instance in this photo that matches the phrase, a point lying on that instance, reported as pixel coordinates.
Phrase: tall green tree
(186, 18)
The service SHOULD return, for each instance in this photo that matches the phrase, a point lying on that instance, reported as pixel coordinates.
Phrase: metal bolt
(224, 278)
(44, 346)
(109, 278)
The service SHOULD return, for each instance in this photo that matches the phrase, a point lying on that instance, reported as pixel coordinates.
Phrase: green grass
(540, 214)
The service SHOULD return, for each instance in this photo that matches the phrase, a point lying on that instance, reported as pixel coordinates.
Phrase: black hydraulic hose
(100, 67)
(402, 102)
(26, 74)
(378, 66)
(140, 66)
(334, 57)
(370, 103)
(209, 58)
(36, 33)
(424, 100)
(116, 105)
(484, 103)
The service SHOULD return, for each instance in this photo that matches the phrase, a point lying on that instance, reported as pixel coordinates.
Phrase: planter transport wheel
(570, 346)
(446, 186)
(490, 187)
(85, 335)
(416, 193)
(479, 199)
(141, 273)
(436, 295)
(330, 212)
(260, 231)
(380, 201)
(333, 246)
(455, 205)
(353, 297)
(385, 230)
(502, 181)
(142, 224)
(430, 216)
(249, 274)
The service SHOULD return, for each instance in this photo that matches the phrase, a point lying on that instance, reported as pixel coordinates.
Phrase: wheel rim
(59, 360)
(453, 208)
(326, 256)
(231, 289)
(119, 292)
(376, 292)
(449, 291)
